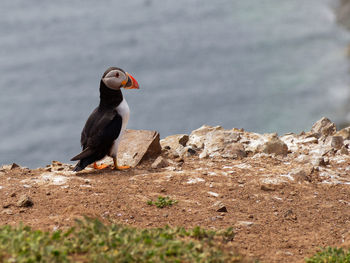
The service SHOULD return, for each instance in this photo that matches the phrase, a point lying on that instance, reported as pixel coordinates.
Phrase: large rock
(174, 144)
(198, 137)
(215, 142)
(234, 151)
(137, 146)
(276, 146)
(174, 141)
(323, 128)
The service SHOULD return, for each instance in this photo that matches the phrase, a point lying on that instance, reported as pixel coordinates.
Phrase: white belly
(123, 110)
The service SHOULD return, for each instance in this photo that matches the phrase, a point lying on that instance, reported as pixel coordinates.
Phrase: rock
(213, 194)
(7, 212)
(160, 162)
(6, 205)
(203, 155)
(344, 150)
(272, 183)
(318, 161)
(174, 141)
(137, 146)
(25, 201)
(234, 151)
(56, 163)
(245, 223)
(216, 141)
(10, 166)
(323, 128)
(290, 215)
(276, 146)
(197, 137)
(222, 209)
(345, 133)
(219, 207)
(337, 142)
(302, 174)
(186, 152)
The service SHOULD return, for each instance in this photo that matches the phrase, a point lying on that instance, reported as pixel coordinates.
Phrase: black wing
(99, 133)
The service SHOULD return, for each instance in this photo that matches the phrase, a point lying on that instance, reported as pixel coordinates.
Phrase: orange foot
(122, 167)
(100, 167)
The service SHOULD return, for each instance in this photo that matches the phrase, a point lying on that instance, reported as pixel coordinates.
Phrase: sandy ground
(275, 221)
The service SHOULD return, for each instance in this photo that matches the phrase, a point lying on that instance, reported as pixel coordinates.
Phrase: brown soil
(285, 223)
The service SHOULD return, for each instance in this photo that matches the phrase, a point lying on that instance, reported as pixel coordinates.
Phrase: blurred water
(264, 65)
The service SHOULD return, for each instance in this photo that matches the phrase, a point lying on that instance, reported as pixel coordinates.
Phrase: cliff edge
(285, 196)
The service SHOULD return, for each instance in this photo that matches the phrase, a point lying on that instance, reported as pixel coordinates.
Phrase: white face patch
(114, 79)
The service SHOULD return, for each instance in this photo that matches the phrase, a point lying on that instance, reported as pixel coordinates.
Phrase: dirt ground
(285, 222)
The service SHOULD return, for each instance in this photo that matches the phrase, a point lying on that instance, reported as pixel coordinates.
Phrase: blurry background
(261, 65)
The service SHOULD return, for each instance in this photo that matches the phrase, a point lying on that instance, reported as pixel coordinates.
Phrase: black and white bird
(105, 126)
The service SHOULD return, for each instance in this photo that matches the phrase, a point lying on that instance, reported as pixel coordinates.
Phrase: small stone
(290, 215)
(344, 150)
(213, 194)
(275, 146)
(25, 201)
(323, 128)
(267, 187)
(245, 223)
(272, 184)
(222, 209)
(13, 194)
(7, 212)
(8, 167)
(160, 162)
(6, 205)
(318, 161)
(203, 154)
(56, 163)
(186, 151)
(14, 166)
(303, 174)
(345, 133)
(337, 142)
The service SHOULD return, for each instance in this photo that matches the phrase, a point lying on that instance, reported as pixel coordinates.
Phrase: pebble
(25, 201)
(160, 162)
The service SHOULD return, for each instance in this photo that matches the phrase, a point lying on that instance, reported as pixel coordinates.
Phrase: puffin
(105, 126)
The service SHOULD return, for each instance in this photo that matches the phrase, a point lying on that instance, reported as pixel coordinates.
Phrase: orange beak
(132, 83)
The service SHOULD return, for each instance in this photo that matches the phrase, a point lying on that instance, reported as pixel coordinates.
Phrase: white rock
(213, 194)
(195, 180)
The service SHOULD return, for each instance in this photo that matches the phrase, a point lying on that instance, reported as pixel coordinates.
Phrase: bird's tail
(85, 158)
(82, 164)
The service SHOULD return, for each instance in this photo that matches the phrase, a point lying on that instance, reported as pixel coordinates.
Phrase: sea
(262, 65)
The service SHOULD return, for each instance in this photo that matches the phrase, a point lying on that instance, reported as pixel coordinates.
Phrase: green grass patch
(92, 241)
(330, 255)
(162, 202)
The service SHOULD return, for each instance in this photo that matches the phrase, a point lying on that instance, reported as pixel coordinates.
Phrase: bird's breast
(124, 111)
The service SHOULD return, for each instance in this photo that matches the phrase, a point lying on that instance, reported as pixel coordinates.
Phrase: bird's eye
(117, 75)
